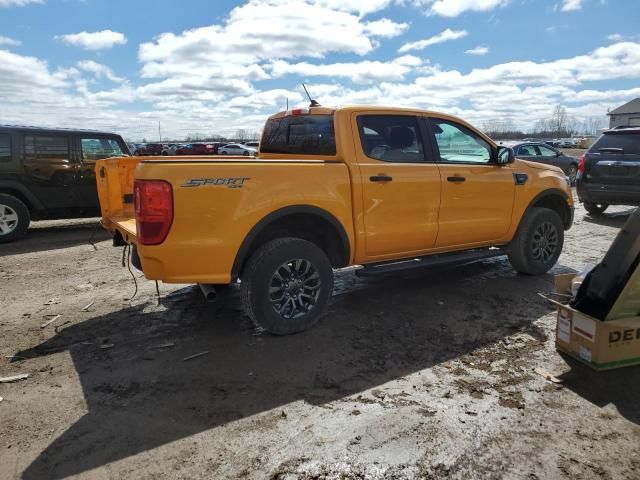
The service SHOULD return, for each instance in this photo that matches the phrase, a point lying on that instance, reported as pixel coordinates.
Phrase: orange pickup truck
(381, 187)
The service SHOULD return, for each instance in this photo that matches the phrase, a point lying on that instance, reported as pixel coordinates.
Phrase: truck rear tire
(14, 218)
(538, 243)
(285, 285)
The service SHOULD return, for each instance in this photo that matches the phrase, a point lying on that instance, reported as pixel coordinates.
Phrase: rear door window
(94, 149)
(391, 138)
(5, 147)
(299, 135)
(44, 148)
(629, 143)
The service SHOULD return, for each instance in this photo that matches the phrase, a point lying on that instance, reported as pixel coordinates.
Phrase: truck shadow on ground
(140, 394)
(55, 236)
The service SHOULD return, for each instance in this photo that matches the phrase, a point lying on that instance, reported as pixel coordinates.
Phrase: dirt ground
(423, 374)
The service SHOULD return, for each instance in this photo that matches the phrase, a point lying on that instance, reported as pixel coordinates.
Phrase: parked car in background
(170, 148)
(149, 149)
(609, 172)
(567, 143)
(237, 149)
(49, 173)
(553, 143)
(543, 153)
(255, 145)
(197, 149)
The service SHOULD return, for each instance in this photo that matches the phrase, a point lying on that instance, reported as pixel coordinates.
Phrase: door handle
(456, 179)
(380, 178)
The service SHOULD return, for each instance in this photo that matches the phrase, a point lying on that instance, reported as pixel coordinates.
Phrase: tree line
(558, 125)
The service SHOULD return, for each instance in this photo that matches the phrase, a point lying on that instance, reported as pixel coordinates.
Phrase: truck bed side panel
(216, 204)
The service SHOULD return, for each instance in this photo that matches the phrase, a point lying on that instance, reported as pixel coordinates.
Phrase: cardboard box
(601, 345)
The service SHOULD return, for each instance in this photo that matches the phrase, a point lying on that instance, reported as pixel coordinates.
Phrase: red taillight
(582, 163)
(153, 201)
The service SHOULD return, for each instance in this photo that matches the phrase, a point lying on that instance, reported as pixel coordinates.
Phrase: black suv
(609, 173)
(49, 173)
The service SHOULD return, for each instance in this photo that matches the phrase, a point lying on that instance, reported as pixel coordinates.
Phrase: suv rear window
(5, 147)
(299, 135)
(628, 142)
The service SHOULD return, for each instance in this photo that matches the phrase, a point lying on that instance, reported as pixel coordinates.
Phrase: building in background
(627, 115)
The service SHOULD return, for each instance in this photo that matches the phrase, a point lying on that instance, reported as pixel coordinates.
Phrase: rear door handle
(380, 178)
(456, 179)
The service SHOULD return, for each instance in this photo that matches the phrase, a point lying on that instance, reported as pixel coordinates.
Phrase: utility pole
(159, 131)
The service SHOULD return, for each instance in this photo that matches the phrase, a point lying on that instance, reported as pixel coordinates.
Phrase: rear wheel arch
(23, 195)
(299, 221)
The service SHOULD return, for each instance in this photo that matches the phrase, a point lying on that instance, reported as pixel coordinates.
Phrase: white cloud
(479, 50)
(10, 42)
(229, 57)
(453, 8)
(385, 28)
(99, 70)
(18, 3)
(571, 5)
(444, 36)
(361, 7)
(357, 72)
(94, 40)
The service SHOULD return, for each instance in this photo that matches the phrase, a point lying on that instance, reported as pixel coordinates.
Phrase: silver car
(237, 149)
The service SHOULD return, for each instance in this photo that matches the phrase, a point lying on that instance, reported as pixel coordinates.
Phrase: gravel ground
(422, 374)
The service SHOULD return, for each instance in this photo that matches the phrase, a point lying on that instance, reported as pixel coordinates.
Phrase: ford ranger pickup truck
(378, 187)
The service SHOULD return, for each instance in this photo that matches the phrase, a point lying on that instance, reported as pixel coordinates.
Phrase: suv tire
(595, 208)
(538, 243)
(285, 285)
(14, 218)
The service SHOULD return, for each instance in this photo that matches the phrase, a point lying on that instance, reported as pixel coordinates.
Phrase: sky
(214, 67)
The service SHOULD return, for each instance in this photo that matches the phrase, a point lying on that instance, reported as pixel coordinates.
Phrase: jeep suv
(609, 172)
(49, 173)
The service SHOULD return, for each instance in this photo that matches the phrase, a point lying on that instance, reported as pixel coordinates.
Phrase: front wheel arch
(553, 199)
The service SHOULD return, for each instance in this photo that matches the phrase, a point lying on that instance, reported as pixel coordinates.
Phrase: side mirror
(505, 155)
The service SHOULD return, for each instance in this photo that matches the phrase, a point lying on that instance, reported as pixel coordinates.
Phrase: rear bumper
(609, 194)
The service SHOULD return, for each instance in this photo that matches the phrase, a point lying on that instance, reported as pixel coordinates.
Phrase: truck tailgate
(115, 191)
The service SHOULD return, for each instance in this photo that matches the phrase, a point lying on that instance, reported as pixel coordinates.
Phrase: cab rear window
(299, 135)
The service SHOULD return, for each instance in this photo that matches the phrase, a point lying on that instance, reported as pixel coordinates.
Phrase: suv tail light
(153, 200)
(582, 163)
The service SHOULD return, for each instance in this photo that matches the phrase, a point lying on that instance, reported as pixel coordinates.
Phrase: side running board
(435, 260)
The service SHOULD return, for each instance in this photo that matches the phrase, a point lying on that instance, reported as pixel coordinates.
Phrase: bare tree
(242, 134)
(559, 120)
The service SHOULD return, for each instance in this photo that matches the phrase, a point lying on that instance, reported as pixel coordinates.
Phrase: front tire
(595, 208)
(285, 286)
(14, 218)
(538, 243)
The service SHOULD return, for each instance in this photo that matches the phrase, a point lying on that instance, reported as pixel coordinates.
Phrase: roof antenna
(313, 102)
